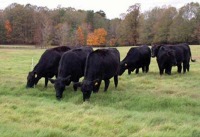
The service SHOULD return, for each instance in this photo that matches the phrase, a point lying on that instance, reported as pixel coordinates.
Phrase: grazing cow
(136, 58)
(47, 66)
(183, 55)
(71, 68)
(101, 64)
(166, 59)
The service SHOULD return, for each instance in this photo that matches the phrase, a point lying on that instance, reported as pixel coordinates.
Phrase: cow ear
(35, 74)
(96, 82)
(67, 78)
(52, 80)
(169, 53)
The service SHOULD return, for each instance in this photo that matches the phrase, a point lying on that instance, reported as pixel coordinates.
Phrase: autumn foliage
(8, 28)
(98, 37)
(41, 26)
(80, 36)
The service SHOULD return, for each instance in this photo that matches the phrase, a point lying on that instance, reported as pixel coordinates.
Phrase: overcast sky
(112, 8)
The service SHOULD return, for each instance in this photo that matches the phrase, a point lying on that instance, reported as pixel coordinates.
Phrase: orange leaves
(80, 36)
(101, 35)
(91, 39)
(8, 28)
(98, 37)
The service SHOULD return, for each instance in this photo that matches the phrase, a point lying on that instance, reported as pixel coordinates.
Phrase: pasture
(142, 105)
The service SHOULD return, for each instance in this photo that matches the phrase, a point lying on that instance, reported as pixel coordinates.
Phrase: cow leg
(143, 69)
(98, 86)
(46, 81)
(137, 71)
(116, 80)
(188, 67)
(168, 70)
(107, 82)
(74, 85)
(161, 70)
(129, 71)
(184, 67)
(147, 68)
(179, 68)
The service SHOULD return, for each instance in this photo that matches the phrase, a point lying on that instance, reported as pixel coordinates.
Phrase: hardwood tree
(2, 29)
(80, 36)
(148, 20)
(131, 24)
(113, 34)
(90, 20)
(185, 24)
(8, 28)
(42, 26)
(97, 38)
(163, 24)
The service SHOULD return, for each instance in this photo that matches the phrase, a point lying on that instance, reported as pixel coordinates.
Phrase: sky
(112, 8)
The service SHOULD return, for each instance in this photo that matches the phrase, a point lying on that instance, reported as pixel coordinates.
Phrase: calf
(136, 58)
(71, 68)
(47, 66)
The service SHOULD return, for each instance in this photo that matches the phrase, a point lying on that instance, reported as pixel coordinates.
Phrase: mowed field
(142, 105)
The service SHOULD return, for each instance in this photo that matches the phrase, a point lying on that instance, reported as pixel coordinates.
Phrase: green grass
(143, 105)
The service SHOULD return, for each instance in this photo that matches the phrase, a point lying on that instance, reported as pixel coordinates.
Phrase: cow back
(102, 63)
(73, 62)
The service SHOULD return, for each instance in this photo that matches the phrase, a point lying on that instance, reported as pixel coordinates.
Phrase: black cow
(102, 64)
(47, 66)
(139, 57)
(71, 68)
(187, 57)
(183, 55)
(166, 59)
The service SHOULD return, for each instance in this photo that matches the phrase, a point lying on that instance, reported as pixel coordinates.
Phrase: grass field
(143, 105)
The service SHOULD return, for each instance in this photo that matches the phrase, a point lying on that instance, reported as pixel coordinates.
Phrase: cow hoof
(58, 98)
(86, 100)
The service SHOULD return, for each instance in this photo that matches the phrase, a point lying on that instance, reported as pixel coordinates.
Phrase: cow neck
(63, 74)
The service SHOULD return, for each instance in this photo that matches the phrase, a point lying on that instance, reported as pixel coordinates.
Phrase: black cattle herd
(70, 64)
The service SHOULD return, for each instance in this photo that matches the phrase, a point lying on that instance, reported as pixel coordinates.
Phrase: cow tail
(193, 60)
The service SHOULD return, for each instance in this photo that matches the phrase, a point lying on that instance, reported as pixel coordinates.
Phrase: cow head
(87, 87)
(59, 85)
(123, 67)
(172, 56)
(31, 79)
(154, 50)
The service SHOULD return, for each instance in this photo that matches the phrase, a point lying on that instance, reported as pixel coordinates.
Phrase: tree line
(30, 24)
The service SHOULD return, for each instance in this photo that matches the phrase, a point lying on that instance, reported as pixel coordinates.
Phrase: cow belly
(108, 75)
